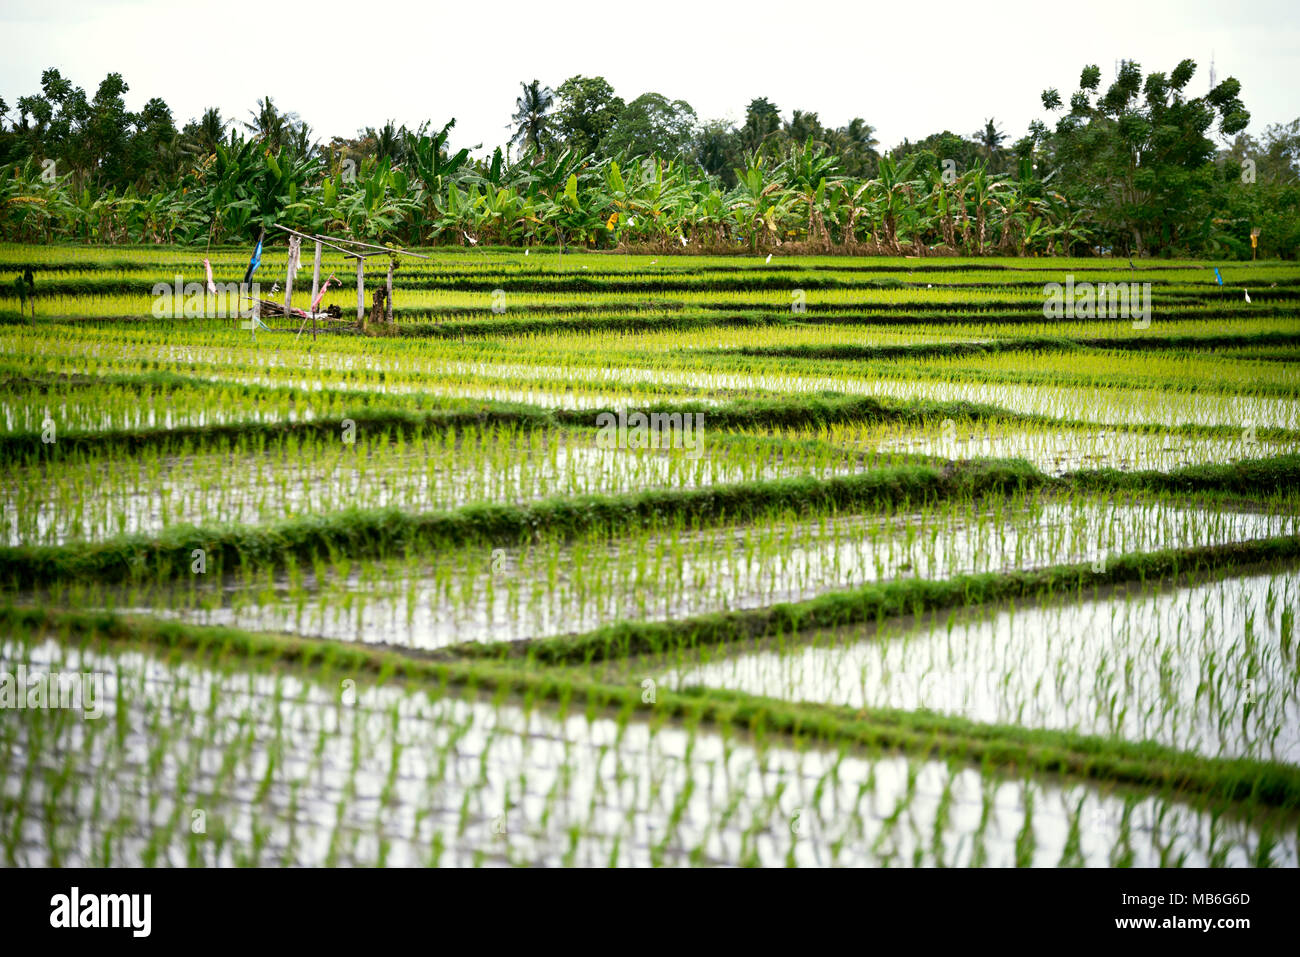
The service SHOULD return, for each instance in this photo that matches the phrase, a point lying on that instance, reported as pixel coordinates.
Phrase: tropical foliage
(1130, 170)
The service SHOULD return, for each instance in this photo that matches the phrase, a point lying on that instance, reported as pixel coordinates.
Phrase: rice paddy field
(624, 560)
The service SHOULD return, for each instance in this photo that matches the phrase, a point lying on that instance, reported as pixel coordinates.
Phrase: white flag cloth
(295, 256)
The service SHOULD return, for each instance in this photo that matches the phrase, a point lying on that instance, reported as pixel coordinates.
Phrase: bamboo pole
(294, 232)
(382, 249)
(315, 288)
(388, 308)
(361, 288)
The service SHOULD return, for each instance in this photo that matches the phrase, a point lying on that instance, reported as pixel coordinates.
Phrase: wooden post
(361, 288)
(288, 282)
(388, 308)
(315, 289)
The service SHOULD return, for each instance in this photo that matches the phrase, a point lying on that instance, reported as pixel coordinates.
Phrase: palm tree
(390, 141)
(530, 117)
(298, 141)
(211, 128)
(201, 137)
(269, 124)
(856, 144)
(762, 120)
(802, 126)
(861, 133)
(990, 138)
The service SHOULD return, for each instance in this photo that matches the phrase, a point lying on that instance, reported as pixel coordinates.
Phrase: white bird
(525, 252)
(683, 239)
(769, 258)
(653, 261)
(631, 221)
(472, 240)
(1247, 295)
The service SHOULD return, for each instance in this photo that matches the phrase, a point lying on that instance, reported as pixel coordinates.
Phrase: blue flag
(254, 262)
(1216, 269)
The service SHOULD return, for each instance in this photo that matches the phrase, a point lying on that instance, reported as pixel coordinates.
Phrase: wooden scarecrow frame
(352, 249)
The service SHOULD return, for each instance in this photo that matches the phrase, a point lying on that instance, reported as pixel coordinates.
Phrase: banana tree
(660, 194)
(1066, 225)
(706, 218)
(985, 196)
(619, 195)
(32, 209)
(433, 169)
(567, 216)
(155, 218)
(547, 174)
(457, 215)
(497, 214)
(248, 185)
(377, 202)
(1018, 214)
(811, 170)
(896, 190)
(944, 204)
(859, 211)
(758, 205)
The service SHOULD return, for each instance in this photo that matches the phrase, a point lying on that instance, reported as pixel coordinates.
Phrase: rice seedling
(945, 583)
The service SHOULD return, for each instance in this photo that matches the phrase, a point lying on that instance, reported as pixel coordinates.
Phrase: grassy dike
(374, 415)
(877, 601)
(928, 350)
(393, 532)
(742, 315)
(1007, 749)
(641, 314)
(645, 280)
(392, 413)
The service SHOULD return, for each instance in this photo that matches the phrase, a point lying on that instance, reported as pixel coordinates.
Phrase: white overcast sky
(909, 69)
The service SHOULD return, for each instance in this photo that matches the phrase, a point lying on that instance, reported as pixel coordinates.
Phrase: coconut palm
(390, 142)
(266, 121)
(201, 137)
(298, 141)
(990, 139)
(530, 119)
(856, 143)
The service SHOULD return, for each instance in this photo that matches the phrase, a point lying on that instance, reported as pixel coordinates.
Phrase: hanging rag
(211, 286)
(295, 256)
(321, 295)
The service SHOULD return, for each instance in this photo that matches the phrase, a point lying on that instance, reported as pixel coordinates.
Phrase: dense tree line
(1132, 168)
